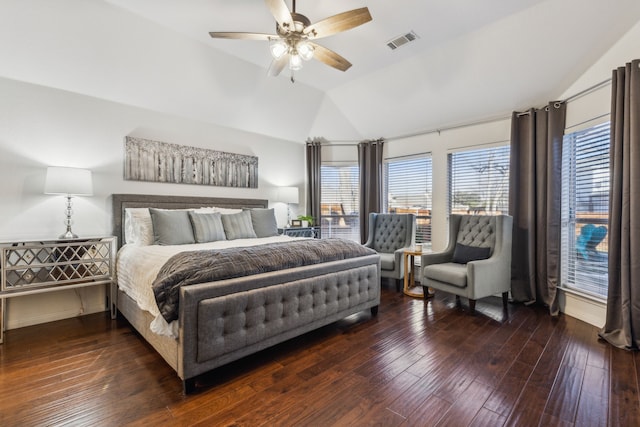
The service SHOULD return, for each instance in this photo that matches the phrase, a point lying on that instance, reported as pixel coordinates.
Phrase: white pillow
(138, 227)
(214, 209)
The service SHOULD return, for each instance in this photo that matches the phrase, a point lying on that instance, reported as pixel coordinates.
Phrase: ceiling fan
(295, 34)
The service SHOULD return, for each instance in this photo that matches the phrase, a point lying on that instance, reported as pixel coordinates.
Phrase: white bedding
(138, 266)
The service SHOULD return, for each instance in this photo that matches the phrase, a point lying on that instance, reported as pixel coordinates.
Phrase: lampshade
(278, 48)
(295, 62)
(68, 181)
(297, 50)
(305, 50)
(287, 195)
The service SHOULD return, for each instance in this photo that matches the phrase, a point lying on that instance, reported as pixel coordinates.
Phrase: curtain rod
(588, 90)
(348, 143)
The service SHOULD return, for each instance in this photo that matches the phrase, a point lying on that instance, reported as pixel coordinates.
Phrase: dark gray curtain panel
(314, 161)
(622, 326)
(534, 202)
(370, 163)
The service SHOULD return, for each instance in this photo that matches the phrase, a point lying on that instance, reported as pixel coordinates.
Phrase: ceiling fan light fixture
(305, 50)
(295, 61)
(295, 38)
(278, 48)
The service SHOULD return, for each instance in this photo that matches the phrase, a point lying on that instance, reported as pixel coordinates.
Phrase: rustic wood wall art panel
(155, 161)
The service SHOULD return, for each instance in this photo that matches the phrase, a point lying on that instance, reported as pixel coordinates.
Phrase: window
(340, 202)
(585, 210)
(408, 187)
(479, 181)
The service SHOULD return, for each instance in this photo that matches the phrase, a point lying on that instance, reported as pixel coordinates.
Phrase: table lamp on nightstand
(287, 195)
(68, 182)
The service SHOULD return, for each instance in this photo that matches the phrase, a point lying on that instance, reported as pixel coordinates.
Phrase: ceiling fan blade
(337, 23)
(243, 36)
(330, 58)
(277, 65)
(281, 13)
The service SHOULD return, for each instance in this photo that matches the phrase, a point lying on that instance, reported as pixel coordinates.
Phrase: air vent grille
(402, 40)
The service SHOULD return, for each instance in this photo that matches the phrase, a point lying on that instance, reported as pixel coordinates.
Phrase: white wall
(98, 49)
(41, 127)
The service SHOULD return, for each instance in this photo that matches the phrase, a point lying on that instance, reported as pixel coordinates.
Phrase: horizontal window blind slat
(585, 210)
(479, 181)
(340, 201)
(408, 189)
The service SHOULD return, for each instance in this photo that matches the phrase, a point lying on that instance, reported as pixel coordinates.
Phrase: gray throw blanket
(188, 268)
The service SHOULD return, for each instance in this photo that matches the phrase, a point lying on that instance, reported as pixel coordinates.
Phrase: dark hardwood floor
(416, 363)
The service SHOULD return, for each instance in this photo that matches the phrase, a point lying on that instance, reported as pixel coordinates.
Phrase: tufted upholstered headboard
(119, 202)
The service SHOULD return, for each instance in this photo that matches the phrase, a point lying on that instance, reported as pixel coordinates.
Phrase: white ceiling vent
(402, 40)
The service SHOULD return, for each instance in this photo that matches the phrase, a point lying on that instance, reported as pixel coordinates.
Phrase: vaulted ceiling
(472, 59)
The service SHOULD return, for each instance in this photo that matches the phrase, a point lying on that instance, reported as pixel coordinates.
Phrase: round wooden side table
(410, 287)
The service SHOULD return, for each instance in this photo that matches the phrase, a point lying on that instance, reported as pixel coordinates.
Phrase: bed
(227, 317)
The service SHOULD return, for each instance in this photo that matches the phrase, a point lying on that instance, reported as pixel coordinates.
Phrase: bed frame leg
(374, 311)
(188, 386)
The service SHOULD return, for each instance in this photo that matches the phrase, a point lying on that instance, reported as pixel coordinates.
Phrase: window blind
(479, 181)
(585, 210)
(340, 201)
(408, 189)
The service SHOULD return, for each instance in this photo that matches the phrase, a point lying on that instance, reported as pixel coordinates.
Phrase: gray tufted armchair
(390, 235)
(477, 260)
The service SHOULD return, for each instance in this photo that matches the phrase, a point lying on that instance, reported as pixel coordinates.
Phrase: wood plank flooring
(416, 364)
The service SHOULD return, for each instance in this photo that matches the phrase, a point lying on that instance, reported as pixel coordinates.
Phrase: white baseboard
(588, 309)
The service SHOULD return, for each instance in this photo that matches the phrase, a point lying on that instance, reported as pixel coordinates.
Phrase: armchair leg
(505, 299)
(426, 294)
(472, 306)
(398, 285)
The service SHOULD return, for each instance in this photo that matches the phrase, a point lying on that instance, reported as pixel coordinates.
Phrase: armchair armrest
(436, 258)
(397, 257)
(489, 276)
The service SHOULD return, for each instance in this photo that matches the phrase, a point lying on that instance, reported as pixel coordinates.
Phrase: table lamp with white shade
(68, 182)
(287, 195)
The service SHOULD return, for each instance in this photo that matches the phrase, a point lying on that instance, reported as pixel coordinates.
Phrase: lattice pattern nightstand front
(44, 266)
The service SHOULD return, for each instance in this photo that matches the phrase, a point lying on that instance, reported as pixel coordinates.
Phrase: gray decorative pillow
(238, 226)
(207, 227)
(462, 254)
(171, 227)
(264, 222)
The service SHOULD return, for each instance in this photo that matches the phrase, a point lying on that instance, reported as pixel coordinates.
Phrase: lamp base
(68, 221)
(68, 235)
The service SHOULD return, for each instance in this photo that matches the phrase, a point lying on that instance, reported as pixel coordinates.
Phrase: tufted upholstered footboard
(226, 320)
